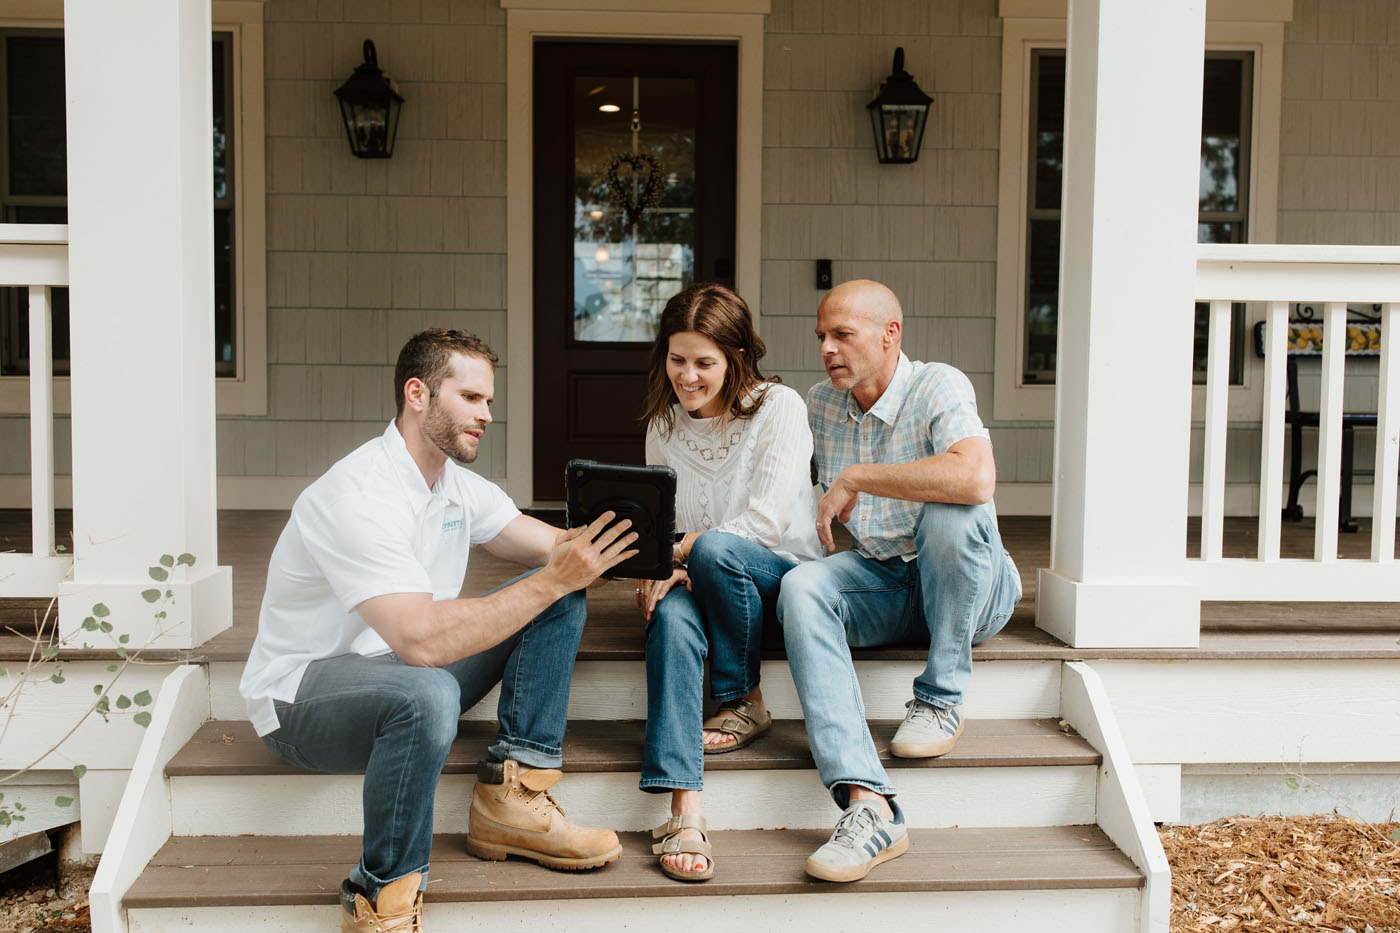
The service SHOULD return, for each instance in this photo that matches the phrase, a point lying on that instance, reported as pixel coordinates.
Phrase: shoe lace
(852, 826)
(532, 799)
(411, 922)
(926, 714)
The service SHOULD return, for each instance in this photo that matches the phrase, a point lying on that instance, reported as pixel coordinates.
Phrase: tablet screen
(644, 494)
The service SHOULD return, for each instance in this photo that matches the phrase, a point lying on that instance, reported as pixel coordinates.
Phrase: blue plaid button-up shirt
(927, 408)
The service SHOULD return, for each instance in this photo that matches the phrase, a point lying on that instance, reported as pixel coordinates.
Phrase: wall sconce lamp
(370, 105)
(898, 115)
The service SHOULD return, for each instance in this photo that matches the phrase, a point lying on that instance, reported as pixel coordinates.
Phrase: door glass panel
(634, 203)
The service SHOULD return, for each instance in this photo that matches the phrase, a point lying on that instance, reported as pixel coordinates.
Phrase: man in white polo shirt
(365, 657)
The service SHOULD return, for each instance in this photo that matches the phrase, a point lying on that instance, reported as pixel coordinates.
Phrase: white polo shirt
(369, 527)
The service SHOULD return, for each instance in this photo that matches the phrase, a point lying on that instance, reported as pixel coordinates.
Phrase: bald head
(870, 300)
(859, 325)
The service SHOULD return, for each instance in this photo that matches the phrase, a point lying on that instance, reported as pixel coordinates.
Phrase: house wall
(362, 253)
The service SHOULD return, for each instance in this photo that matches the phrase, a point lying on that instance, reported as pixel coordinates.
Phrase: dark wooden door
(634, 200)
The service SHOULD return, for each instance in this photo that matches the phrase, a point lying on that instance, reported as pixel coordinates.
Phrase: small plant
(45, 663)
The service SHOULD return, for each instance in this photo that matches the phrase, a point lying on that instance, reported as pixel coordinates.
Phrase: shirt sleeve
(781, 469)
(954, 405)
(363, 548)
(490, 509)
(655, 447)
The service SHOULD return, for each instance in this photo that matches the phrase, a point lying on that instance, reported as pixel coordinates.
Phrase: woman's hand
(650, 592)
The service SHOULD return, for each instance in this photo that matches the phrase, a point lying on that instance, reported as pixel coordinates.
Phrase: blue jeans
(733, 592)
(395, 723)
(958, 591)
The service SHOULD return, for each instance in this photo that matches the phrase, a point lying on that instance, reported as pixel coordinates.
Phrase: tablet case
(644, 494)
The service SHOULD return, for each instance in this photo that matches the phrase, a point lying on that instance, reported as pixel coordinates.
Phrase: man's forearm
(946, 477)
(452, 629)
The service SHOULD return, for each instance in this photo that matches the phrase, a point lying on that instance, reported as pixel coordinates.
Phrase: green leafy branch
(46, 663)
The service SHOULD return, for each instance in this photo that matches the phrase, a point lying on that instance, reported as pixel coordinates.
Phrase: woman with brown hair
(740, 446)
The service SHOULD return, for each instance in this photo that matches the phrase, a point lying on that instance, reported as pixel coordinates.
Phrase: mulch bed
(46, 896)
(1285, 873)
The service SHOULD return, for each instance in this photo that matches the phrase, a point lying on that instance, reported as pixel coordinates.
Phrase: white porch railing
(1277, 276)
(35, 257)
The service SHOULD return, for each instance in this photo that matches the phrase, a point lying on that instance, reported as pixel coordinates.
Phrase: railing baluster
(41, 419)
(1216, 424)
(1387, 438)
(1329, 432)
(1271, 445)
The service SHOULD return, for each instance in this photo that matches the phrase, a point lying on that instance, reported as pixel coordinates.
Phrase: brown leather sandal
(671, 845)
(744, 721)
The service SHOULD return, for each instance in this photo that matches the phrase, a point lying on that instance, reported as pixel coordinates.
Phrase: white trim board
(1310, 710)
(327, 804)
(142, 824)
(607, 690)
(562, 19)
(1109, 910)
(1368, 790)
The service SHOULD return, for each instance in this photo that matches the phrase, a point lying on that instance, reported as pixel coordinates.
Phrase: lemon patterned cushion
(1305, 339)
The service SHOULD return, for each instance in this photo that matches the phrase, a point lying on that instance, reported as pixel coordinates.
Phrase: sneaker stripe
(871, 850)
(885, 836)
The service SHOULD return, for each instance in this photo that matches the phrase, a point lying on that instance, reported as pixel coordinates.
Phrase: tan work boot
(515, 815)
(398, 909)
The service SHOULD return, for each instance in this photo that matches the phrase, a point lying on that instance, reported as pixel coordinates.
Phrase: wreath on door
(635, 194)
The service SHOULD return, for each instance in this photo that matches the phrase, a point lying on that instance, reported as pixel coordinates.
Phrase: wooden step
(224, 747)
(205, 871)
(1001, 773)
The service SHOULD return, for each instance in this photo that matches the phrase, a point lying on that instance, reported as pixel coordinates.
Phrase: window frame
(1040, 24)
(244, 392)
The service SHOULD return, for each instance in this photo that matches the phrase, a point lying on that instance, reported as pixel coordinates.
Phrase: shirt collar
(407, 469)
(887, 406)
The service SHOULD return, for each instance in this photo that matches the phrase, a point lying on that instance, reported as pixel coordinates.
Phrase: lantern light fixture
(899, 114)
(370, 105)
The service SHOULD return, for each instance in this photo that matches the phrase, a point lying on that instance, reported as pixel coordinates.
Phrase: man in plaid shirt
(907, 467)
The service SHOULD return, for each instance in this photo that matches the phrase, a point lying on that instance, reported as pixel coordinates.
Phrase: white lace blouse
(749, 477)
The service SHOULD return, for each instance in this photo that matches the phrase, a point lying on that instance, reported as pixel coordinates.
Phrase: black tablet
(644, 494)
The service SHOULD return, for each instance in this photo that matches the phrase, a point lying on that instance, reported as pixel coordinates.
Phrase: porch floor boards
(226, 871)
(226, 747)
(614, 632)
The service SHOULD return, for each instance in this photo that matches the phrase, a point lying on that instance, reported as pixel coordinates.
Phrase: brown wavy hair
(716, 312)
(428, 356)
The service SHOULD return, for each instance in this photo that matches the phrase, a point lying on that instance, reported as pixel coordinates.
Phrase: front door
(633, 201)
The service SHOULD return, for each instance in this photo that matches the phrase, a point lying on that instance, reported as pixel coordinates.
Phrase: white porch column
(1127, 268)
(140, 208)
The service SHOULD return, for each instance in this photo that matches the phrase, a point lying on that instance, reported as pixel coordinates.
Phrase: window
(33, 185)
(1241, 205)
(1227, 95)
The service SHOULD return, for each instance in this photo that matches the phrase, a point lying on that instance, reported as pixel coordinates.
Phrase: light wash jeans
(958, 591)
(734, 591)
(395, 723)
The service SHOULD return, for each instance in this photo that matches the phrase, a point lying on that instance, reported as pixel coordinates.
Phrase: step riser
(931, 797)
(617, 690)
(1070, 911)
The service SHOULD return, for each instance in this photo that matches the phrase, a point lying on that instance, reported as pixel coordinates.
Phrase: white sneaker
(927, 731)
(862, 839)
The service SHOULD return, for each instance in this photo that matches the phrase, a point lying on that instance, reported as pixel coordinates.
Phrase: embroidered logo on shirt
(452, 525)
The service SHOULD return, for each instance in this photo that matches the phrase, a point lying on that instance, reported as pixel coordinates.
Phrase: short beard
(439, 429)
